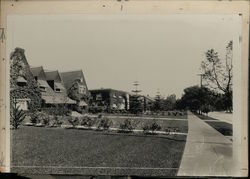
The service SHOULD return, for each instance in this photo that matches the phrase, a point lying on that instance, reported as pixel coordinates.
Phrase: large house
(51, 87)
(110, 98)
(77, 88)
(24, 92)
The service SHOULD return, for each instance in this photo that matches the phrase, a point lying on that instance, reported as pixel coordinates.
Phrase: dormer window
(42, 88)
(21, 81)
(58, 87)
(58, 90)
(98, 97)
(82, 89)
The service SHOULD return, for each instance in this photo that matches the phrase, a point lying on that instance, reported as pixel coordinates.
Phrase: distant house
(110, 98)
(148, 103)
(77, 88)
(51, 87)
(24, 91)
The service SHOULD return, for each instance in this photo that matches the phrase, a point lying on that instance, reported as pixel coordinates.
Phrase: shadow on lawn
(223, 127)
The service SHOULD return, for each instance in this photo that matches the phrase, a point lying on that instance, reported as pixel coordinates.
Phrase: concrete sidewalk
(207, 152)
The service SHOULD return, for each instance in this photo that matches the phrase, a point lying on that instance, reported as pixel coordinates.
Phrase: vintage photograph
(144, 95)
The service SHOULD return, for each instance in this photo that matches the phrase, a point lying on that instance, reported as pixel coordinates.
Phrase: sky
(162, 52)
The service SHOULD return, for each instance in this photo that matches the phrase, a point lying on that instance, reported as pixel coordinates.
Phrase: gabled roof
(53, 75)
(38, 72)
(109, 89)
(70, 76)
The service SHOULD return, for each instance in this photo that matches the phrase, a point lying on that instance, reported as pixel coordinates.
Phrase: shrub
(126, 126)
(34, 117)
(74, 121)
(104, 123)
(17, 116)
(87, 121)
(172, 129)
(151, 127)
(56, 121)
(205, 109)
(44, 118)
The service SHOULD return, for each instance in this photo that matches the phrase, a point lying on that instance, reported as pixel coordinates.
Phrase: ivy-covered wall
(19, 67)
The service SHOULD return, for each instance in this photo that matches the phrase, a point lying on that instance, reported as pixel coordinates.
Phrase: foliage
(34, 117)
(195, 97)
(218, 73)
(96, 109)
(74, 93)
(127, 125)
(44, 118)
(17, 116)
(19, 67)
(104, 123)
(87, 121)
(136, 104)
(151, 127)
(56, 121)
(74, 121)
(205, 109)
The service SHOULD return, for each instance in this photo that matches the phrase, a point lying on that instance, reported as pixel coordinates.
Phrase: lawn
(138, 123)
(203, 117)
(222, 127)
(169, 114)
(71, 151)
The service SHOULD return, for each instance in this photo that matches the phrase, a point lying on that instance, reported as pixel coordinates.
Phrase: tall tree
(195, 98)
(218, 73)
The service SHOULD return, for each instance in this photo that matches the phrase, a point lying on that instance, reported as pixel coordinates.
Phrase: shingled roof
(49, 95)
(71, 76)
(53, 75)
(38, 72)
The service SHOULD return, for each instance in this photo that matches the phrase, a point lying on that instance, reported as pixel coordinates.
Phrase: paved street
(207, 152)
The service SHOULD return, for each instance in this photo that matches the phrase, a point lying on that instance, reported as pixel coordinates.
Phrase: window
(82, 89)
(99, 97)
(42, 88)
(21, 81)
(58, 90)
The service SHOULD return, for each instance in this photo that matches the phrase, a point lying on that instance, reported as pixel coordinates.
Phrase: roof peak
(80, 70)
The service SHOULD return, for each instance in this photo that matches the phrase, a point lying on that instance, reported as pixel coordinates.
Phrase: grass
(166, 115)
(182, 125)
(72, 149)
(222, 127)
(203, 117)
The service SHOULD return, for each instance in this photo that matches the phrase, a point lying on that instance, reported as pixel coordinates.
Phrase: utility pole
(136, 90)
(201, 76)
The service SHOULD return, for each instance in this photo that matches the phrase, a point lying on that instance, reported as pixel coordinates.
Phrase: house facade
(77, 89)
(51, 87)
(110, 98)
(24, 91)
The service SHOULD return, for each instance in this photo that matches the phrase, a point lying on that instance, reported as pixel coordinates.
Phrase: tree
(17, 115)
(218, 73)
(158, 104)
(170, 102)
(136, 104)
(195, 98)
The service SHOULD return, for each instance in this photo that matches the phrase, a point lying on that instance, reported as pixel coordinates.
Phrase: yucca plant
(17, 116)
